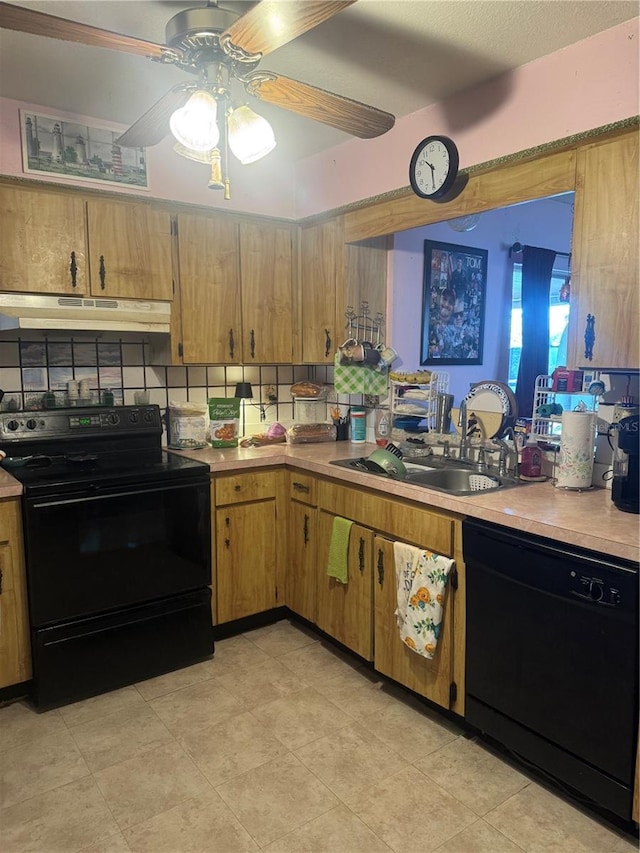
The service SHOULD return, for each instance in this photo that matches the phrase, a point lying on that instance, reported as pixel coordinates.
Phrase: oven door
(112, 547)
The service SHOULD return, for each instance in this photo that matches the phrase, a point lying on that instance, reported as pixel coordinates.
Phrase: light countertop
(586, 519)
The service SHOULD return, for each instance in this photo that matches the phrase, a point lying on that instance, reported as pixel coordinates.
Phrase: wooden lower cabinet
(345, 610)
(361, 614)
(303, 550)
(15, 651)
(429, 678)
(246, 544)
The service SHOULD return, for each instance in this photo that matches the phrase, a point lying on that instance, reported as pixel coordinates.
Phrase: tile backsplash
(32, 366)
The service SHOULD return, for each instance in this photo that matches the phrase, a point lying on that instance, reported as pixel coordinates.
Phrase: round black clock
(434, 167)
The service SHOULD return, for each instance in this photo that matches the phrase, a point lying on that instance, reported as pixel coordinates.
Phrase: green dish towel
(339, 549)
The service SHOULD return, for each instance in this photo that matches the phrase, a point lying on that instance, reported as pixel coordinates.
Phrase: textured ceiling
(398, 55)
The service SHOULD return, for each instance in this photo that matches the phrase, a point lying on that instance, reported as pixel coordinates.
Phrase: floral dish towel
(421, 583)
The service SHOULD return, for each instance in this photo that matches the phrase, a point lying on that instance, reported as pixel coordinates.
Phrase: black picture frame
(453, 304)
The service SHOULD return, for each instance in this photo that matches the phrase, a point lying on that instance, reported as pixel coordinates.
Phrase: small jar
(382, 427)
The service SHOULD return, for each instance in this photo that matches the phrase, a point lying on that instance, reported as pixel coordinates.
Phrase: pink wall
(587, 85)
(266, 189)
(540, 223)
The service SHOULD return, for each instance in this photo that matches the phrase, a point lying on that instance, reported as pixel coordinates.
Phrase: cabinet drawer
(302, 487)
(238, 488)
(397, 519)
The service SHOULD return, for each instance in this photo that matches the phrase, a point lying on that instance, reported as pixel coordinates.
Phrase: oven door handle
(87, 497)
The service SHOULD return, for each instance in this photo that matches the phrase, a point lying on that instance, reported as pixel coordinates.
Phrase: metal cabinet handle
(327, 342)
(232, 343)
(305, 529)
(0, 581)
(361, 555)
(252, 343)
(380, 566)
(227, 522)
(102, 273)
(300, 487)
(589, 336)
(73, 269)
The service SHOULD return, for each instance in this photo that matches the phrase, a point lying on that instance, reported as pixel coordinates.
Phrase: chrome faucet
(503, 457)
(463, 454)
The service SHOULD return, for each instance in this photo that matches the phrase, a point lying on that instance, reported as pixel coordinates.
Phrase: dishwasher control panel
(593, 588)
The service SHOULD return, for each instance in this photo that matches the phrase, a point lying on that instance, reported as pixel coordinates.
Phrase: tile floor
(280, 743)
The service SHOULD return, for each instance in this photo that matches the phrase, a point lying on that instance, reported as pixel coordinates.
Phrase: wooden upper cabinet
(604, 281)
(321, 291)
(41, 235)
(208, 257)
(129, 250)
(266, 272)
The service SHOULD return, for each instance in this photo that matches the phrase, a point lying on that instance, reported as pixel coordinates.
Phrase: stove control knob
(133, 417)
(596, 590)
(113, 419)
(148, 416)
(13, 425)
(31, 424)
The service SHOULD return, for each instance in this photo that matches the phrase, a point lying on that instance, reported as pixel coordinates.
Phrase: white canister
(577, 446)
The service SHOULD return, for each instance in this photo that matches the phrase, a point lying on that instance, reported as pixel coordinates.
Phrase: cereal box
(224, 414)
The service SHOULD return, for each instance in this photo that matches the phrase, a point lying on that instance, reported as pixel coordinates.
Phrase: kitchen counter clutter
(587, 518)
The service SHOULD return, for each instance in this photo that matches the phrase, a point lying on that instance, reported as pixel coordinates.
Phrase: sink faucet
(504, 455)
(463, 455)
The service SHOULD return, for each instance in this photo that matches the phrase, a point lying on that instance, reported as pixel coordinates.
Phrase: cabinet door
(301, 568)
(605, 260)
(344, 610)
(208, 258)
(245, 559)
(41, 239)
(266, 270)
(129, 250)
(429, 678)
(321, 291)
(15, 652)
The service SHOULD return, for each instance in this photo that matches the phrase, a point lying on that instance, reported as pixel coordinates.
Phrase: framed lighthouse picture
(77, 151)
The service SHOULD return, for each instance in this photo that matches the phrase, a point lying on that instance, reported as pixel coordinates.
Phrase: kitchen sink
(450, 476)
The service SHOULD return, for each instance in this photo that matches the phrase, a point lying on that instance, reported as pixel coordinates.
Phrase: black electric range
(117, 536)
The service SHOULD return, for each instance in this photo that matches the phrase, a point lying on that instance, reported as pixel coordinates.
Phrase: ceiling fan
(218, 47)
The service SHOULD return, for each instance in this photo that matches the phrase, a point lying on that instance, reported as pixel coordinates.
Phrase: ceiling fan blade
(335, 110)
(153, 126)
(272, 23)
(40, 24)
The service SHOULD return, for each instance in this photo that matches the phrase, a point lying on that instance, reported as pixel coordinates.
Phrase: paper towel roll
(575, 468)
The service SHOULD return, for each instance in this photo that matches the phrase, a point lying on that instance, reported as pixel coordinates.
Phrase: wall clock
(434, 167)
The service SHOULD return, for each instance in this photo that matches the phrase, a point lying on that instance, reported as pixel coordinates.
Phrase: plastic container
(531, 460)
(382, 427)
(358, 425)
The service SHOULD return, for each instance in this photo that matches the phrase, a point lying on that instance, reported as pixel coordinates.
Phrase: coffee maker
(624, 490)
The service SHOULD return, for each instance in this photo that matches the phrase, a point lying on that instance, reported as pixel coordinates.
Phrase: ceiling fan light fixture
(195, 125)
(250, 135)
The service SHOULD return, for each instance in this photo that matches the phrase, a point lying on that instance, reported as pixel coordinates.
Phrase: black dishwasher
(552, 658)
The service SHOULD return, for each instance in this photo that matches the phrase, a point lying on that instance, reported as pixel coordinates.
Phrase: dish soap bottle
(382, 427)
(531, 460)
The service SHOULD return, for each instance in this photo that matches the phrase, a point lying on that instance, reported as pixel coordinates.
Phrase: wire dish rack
(414, 406)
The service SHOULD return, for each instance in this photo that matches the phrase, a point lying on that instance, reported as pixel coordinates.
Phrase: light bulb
(250, 135)
(194, 125)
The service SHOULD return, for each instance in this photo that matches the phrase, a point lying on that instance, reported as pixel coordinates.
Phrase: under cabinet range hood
(29, 311)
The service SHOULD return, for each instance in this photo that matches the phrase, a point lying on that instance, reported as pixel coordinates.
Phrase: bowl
(388, 462)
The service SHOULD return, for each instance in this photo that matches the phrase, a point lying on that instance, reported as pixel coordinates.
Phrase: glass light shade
(195, 125)
(250, 136)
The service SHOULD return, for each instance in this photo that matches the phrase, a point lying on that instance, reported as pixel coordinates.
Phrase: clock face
(433, 167)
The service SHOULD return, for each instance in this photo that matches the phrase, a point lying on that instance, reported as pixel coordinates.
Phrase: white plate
(492, 397)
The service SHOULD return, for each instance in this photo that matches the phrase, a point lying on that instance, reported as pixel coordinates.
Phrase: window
(558, 323)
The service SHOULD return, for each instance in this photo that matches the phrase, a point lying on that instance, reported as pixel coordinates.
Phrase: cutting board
(489, 423)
